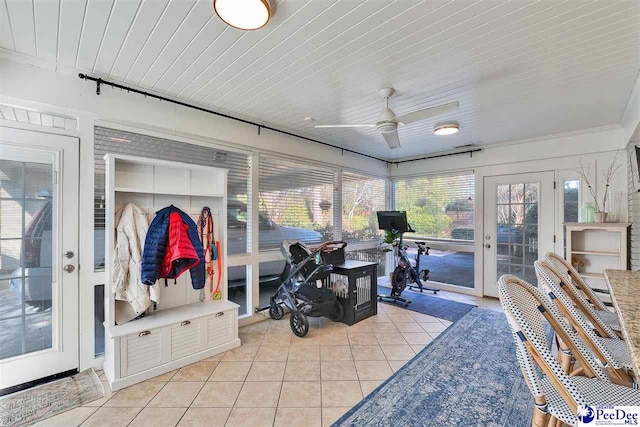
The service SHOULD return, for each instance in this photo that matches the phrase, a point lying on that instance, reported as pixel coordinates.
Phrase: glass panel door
(26, 200)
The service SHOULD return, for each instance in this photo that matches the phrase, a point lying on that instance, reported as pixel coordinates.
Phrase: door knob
(69, 268)
(487, 246)
(69, 254)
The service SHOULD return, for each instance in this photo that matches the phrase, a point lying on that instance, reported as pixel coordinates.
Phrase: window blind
(134, 144)
(438, 206)
(362, 197)
(297, 202)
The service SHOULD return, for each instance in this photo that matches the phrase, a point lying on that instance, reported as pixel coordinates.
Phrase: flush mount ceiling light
(243, 14)
(446, 128)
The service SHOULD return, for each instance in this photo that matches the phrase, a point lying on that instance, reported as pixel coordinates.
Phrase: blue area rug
(433, 306)
(468, 376)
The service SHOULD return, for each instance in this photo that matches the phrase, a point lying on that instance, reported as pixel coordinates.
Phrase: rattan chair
(612, 352)
(604, 321)
(557, 394)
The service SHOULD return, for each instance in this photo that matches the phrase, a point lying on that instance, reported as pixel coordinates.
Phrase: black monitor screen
(393, 221)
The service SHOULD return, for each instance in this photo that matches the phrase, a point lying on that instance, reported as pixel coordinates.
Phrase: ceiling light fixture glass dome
(243, 14)
(446, 128)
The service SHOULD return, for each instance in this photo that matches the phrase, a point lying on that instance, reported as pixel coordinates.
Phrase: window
(571, 199)
(237, 287)
(296, 202)
(133, 144)
(438, 207)
(362, 197)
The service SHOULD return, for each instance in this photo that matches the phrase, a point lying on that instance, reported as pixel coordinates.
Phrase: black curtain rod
(100, 82)
(435, 156)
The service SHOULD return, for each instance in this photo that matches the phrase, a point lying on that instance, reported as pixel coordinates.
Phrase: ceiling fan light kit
(446, 128)
(388, 121)
(243, 14)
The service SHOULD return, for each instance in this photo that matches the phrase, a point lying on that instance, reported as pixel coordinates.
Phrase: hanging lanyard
(205, 224)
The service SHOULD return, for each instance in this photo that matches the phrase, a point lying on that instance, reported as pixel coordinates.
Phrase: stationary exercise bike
(407, 271)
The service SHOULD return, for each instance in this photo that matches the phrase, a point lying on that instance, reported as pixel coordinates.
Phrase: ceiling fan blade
(392, 139)
(427, 113)
(346, 126)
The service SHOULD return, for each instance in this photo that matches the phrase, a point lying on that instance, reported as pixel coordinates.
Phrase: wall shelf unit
(598, 246)
(181, 329)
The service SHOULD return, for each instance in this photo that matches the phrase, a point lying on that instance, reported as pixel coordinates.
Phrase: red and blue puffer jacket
(172, 246)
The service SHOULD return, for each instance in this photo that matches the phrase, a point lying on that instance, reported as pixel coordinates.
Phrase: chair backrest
(555, 282)
(525, 308)
(572, 276)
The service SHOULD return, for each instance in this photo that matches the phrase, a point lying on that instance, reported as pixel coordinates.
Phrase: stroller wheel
(299, 324)
(276, 311)
(337, 312)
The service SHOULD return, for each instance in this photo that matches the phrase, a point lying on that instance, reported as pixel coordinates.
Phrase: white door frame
(546, 220)
(63, 151)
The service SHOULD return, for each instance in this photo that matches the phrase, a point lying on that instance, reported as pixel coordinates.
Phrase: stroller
(298, 290)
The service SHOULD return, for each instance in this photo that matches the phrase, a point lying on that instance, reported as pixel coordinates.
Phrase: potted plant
(391, 240)
(608, 174)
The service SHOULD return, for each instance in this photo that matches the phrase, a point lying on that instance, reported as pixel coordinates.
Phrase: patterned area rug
(468, 376)
(35, 404)
(433, 306)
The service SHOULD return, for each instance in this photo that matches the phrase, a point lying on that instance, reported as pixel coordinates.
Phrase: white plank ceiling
(519, 69)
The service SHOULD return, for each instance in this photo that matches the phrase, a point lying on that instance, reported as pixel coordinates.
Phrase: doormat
(30, 406)
(433, 306)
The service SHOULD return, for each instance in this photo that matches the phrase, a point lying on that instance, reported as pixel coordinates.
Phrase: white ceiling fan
(388, 122)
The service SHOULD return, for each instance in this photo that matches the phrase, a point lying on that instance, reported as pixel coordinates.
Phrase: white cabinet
(182, 329)
(596, 247)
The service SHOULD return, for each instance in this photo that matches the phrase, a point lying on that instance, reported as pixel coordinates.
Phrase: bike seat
(420, 243)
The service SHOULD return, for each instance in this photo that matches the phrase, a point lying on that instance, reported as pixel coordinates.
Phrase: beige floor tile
(409, 327)
(177, 395)
(205, 417)
(401, 318)
(326, 324)
(279, 326)
(446, 322)
(266, 371)
(72, 418)
(199, 371)
(217, 394)
(340, 393)
(164, 377)
(433, 327)
(366, 338)
(251, 417)
(379, 318)
(259, 395)
(367, 352)
(298, 394)
(417, 348)
(338, 370)
(368, 386)
(312, 338)
(277, 339)
(397, 364)
(304, 352)
(398, 352)
(384, 327)
(251, 339)
(302, 371)
(230, 371)
(335, 352)
(244, 353)
(272, 354)
(307, 417)
(373, 370)
(135, 396)
(417, 337)
(255, 328)
(108, 394)
(423, 318)
(334, 338)
(390, 338)
(111, 417)
(158, 417)
(215, 358)
(331, 415)
(359, 328)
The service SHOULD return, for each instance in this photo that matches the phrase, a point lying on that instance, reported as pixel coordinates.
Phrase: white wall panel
(71, 19)
(24, 34)
(46, 16)
(122, 16)
(6, 37)
(95, 23)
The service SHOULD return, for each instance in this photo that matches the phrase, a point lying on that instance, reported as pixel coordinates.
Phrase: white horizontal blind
(438, 206)
(297, 202)
(362, 197)
(134, 144)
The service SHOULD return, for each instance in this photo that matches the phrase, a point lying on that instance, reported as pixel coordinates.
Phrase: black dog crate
(355, 284)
